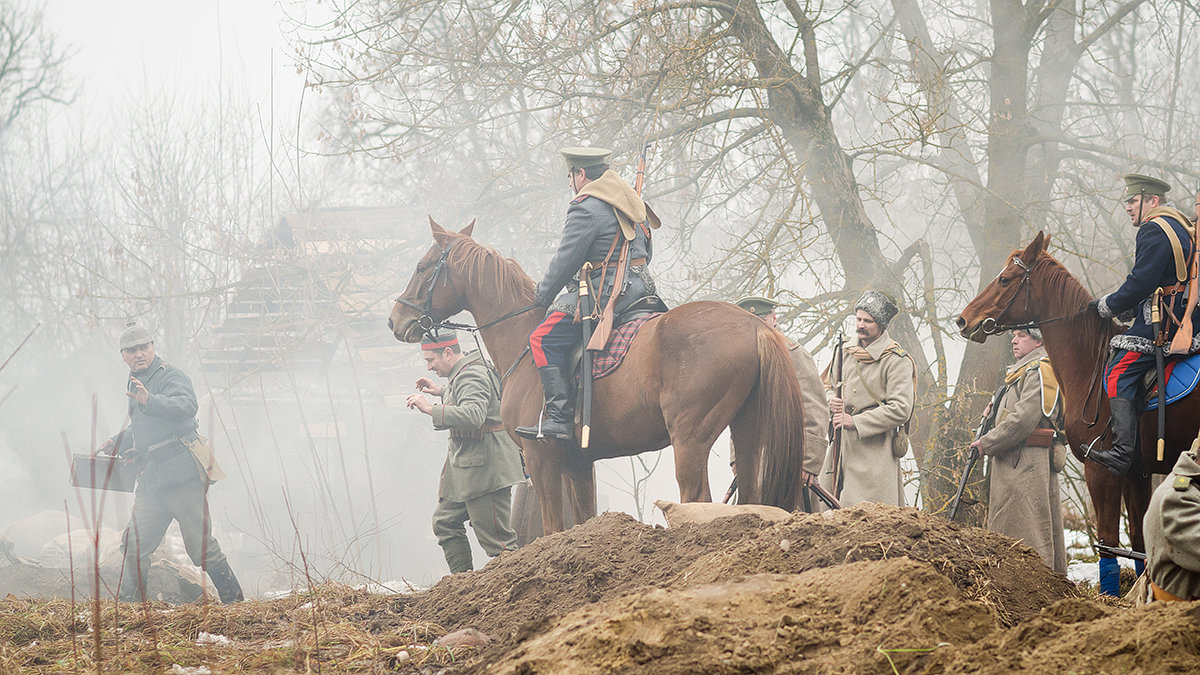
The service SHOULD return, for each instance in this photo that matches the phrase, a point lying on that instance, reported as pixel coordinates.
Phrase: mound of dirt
(865, 617)
(613, 554)
(1084, 636)
(985, 566)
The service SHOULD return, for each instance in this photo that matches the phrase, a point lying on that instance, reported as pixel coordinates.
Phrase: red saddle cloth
(605, 362)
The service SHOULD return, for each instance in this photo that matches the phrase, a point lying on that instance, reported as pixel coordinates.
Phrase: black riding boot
(225, 582)
(1119, 458)
(558, 419)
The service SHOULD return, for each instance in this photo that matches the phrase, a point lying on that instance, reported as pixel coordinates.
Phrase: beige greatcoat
(816, 408)
(1024, 497)
(1172, 527)
(871, 472)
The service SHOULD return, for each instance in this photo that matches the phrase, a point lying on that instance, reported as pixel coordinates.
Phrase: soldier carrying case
(103, 472)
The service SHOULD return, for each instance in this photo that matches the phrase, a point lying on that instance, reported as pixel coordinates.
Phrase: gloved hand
(1093, 306)
(107, 448)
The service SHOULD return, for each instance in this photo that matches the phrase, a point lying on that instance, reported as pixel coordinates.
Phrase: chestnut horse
(1035, 289)
(688, 374)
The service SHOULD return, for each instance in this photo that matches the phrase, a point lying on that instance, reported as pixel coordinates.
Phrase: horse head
(431, 295)
(1008, 298)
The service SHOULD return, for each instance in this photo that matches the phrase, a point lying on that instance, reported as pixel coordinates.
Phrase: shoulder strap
(1176, 248)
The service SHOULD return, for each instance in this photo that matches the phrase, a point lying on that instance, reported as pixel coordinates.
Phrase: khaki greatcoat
(1024, 499)
(1172, 527)
(871, 472)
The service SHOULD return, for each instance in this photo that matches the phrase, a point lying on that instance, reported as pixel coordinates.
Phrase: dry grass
(333, 628)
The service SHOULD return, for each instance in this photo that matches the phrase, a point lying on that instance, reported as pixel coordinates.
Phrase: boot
(225, 582)
(1119, 458)
(558, 419)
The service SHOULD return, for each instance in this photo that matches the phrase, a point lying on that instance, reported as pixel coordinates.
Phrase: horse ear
(1035, 247)
(469, 228)
(439, 233)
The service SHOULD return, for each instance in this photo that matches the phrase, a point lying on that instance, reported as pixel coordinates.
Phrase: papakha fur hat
(879, 306)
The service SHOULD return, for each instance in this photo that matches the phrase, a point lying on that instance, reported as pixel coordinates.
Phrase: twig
(14, 353)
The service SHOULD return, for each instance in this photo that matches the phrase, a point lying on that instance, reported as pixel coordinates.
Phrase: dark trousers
(554, 339)
(152, 514)
(1125, 373)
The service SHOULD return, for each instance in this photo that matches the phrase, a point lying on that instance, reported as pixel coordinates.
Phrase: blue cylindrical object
(1110, 576)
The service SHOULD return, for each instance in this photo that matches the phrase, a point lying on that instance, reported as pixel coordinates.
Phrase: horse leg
(1106, 490)
(1137, 502)
(545, 466)
(582, 475)
(747, 443)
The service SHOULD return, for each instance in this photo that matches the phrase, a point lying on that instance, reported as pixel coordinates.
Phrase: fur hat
(881, 307)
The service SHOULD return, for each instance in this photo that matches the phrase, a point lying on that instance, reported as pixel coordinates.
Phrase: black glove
(541, 300)
(1093, 306)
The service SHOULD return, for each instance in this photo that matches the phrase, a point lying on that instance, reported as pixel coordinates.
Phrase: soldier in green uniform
(1172, 527)
(171, 485)
(816, 410)
(483, 462)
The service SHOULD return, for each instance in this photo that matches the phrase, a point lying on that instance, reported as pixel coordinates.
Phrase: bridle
(992, 326)
(427, 323)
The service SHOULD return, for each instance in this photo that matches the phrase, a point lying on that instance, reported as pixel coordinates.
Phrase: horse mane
(485, 267)
(1070, 296)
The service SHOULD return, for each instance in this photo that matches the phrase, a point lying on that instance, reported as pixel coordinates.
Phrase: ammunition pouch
(1040, 438)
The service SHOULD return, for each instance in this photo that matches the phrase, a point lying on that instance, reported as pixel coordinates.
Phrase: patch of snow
(211, 639)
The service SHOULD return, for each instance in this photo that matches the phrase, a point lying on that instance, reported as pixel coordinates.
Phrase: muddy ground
(871, 589)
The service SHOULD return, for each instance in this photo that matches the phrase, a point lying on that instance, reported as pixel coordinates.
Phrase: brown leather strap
(1040, 438)
(492, 428)
(635, 262)
(1163, 596)
(476, 434)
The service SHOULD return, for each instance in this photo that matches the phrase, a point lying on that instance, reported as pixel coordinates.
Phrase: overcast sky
(126, 47)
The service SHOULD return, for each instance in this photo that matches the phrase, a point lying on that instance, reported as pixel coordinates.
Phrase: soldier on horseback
(1161, 260)
(605, 212)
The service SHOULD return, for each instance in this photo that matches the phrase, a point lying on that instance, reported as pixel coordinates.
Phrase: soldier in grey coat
(604, 210)
(1172, 528)
(483, 462)
(172, 484)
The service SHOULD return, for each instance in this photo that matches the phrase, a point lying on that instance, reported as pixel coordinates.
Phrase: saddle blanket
(1182, 376)
(605, 362)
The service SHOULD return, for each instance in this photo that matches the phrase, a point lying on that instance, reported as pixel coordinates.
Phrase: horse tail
(780, 422)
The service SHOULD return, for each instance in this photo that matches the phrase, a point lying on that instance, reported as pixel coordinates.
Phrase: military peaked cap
(581, 158)
(757, 305)
(438, 339)
(134, 335)
(1137, 184)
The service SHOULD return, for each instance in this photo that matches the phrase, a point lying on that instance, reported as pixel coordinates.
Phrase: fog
(252, 182)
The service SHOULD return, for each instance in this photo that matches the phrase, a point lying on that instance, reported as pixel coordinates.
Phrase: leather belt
(632, 263)
(1040, 438)
(477, 434)
(1176, 288)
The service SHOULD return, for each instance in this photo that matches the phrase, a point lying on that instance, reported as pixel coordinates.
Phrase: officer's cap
(1137, 184)
(582, 157)
(134, 335)
(757, 305)
(438, 339)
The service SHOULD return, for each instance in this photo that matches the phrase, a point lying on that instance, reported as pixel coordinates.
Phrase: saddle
(1182, 377)
(626, 326)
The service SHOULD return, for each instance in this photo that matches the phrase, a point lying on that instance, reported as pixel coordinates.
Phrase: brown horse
(689, 373)
(1034, 288)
